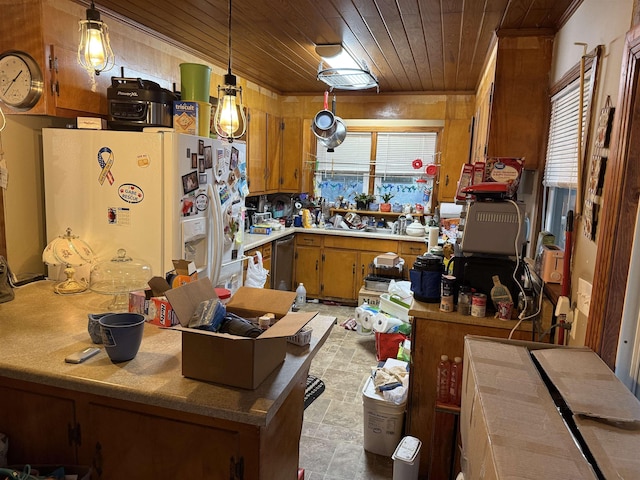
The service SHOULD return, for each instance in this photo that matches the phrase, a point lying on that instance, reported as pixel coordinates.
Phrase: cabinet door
(339, 277)
(257, 152)
(365, 259)
(157, 447)
(274, 153)
(307, 269)
(291, 165)
(39, 427)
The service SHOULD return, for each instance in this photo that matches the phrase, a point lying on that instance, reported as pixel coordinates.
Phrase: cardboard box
(91, 123)
(387, 260)
(185, 117)
(511, 426)
(184, 271)
(157, 310)
(228, 359)
(369, 296)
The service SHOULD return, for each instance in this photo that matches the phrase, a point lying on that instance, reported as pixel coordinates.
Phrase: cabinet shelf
(372, 212)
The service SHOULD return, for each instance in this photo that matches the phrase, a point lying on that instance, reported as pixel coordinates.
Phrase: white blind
(561, 167)
(352, 156)
(395, 152)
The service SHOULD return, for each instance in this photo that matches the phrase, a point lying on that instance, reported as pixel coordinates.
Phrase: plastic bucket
(204, 119)
(383, 421)
(122, 334)
(195, 81)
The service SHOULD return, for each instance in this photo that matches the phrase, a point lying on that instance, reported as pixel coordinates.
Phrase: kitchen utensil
(415, 229)
(338, 136)
(324, 123)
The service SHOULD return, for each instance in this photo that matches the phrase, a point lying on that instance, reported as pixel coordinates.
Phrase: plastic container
(195, 80)
(382, 421)
(301, 295)
(387, 305)
(302, 338)
(204, 119)
(443, 379)
(406, 459)
(122, 335)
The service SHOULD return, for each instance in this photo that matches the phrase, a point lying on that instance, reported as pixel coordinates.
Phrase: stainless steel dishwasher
(282, 264)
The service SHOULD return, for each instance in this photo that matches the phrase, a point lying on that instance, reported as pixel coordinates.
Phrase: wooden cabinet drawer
(266, 250)
(362, 244)
(412, 248)
(309, 240)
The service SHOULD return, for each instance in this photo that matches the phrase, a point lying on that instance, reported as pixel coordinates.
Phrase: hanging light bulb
(230, 120)
(94, 51)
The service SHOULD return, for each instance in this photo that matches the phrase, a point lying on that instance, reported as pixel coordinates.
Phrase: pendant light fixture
(94, 51)
(230, 120)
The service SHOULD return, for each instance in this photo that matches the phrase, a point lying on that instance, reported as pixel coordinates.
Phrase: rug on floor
(313, 390)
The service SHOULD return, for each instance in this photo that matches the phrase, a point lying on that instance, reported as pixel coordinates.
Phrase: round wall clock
(20, 80)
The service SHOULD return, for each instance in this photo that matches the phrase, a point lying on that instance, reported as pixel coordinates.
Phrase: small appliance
(135, 103)
(552, 264)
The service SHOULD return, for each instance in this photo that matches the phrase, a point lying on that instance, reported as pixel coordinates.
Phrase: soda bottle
(444, 374)
(301, 295)
(455, 382)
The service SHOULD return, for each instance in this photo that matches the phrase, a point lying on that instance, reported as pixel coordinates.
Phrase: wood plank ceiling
(410, 45)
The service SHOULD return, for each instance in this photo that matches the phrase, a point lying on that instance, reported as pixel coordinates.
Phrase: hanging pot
(324, 123)
(338, 136)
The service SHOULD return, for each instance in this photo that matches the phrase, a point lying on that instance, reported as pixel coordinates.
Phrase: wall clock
(20, 80)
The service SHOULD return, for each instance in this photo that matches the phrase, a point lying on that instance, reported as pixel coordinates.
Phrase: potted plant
(363, 200)
(385, 206)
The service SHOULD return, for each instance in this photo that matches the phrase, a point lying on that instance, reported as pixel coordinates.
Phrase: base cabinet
(435, 334)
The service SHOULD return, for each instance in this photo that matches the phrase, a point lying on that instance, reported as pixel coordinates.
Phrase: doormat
(313, 390)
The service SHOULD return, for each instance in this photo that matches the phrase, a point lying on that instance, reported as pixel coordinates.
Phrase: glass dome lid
(119, 276)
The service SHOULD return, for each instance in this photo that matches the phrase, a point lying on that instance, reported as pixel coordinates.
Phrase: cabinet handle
(295, 174)
(353, 269)
(316, 265)
(446, 180)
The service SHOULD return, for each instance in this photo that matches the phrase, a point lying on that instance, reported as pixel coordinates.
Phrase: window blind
(352, 156)
(395, 152)
(561, 167)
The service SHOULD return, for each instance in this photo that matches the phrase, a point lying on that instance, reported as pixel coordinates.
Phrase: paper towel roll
(366, 322)
(434, 233)
(383, 323)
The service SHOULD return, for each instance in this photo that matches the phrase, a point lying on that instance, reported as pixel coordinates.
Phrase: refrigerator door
(107, 186)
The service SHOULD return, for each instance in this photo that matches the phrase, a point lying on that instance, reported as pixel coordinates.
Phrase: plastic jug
(301, 295)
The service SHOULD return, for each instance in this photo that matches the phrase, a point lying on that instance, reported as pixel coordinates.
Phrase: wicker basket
(302, 338)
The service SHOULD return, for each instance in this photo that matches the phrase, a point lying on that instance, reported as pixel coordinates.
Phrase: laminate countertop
(40, 328)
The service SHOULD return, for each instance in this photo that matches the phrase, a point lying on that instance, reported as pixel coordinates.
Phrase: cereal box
(185, 117)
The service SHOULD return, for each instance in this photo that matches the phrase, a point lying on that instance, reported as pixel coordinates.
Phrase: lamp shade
(67, 250)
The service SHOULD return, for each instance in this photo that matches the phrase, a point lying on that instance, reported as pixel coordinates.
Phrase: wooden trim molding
(620, 205)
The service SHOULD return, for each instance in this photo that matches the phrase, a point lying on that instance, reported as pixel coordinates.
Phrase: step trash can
(406, 459)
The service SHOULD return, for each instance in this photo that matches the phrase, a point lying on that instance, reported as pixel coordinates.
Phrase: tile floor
(331, 447)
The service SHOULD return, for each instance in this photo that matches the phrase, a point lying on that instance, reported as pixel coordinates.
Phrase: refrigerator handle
(215, 235)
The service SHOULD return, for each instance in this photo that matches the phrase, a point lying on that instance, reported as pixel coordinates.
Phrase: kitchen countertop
(40, 328)
(255, 240)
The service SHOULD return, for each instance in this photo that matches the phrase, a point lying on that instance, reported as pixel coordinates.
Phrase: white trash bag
(256, 273)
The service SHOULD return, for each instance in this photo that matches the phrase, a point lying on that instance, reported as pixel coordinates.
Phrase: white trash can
(383, 421)
(406, 459)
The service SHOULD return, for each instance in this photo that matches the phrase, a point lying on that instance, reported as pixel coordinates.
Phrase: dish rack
(302, 338)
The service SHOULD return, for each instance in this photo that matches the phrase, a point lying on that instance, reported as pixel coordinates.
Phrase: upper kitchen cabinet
(274, 153)
(291, 164)
(257, 151)
(48, 32)
(513, 100)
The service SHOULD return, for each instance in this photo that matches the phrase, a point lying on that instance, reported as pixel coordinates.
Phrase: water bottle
(444, 378)
(455, 383)
(301, 295)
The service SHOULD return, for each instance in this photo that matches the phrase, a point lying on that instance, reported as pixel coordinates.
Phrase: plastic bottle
(301, 295)
(444, 378)
(455, 382)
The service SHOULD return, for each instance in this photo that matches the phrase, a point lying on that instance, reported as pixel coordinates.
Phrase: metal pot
(324, 123)
(338, 136)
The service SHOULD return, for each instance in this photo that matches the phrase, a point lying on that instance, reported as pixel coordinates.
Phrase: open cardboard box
(568, 417)
(229, 359)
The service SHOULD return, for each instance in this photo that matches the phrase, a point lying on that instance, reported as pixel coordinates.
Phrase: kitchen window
(378, 162)
(561, 167)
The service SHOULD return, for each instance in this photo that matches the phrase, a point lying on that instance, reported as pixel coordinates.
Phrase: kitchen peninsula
(141, 417)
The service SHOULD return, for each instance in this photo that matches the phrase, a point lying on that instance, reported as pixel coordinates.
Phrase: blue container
(122, 334)
(426, 277)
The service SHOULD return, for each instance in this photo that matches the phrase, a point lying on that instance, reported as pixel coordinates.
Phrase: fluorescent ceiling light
(342, 70)
(336, 56)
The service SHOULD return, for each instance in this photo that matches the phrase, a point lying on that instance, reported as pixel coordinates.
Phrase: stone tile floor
(331, 446)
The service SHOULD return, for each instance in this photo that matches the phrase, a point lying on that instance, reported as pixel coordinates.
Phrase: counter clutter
(171, 413)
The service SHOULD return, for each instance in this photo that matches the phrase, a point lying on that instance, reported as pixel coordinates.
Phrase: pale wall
(596, 22)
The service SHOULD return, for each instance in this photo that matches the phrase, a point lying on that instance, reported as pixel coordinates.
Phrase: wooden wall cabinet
(292, 153)
(257, 152)
(308, 262)
(513, 100)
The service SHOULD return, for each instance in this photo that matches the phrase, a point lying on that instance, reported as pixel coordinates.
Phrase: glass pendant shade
(94, 51)
(230, 120)
(69, 251)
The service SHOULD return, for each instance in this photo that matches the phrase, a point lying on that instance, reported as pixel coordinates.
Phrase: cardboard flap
(186, 298)
(587, 385)
(248, 301)
(158, 286)
(288, 326)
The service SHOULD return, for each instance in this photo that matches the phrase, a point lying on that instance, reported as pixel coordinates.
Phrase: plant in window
(362, 200)
(386, 197)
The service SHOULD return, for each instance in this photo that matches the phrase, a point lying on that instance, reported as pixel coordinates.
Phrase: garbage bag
(256, 273)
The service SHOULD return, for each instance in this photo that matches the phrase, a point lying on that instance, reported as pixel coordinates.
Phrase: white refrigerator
(160, 195)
